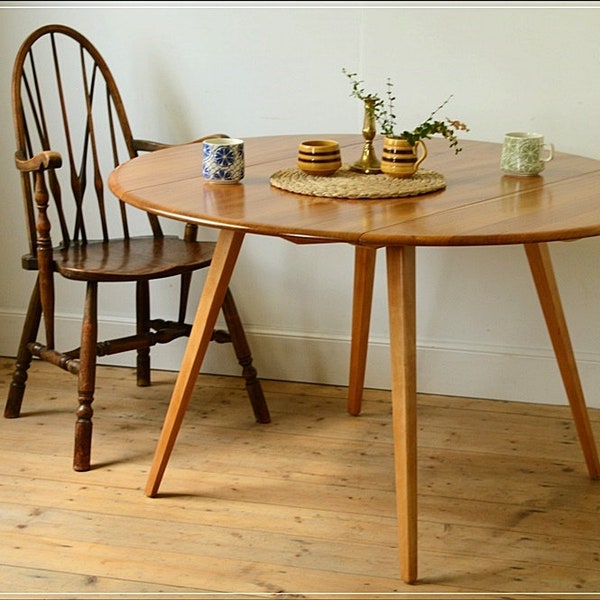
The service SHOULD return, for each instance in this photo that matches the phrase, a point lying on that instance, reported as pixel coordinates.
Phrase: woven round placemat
(346, 183)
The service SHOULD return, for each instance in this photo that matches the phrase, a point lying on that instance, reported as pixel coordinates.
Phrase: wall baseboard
(447, 368)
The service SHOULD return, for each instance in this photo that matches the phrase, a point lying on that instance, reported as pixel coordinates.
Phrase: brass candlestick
(368, 163)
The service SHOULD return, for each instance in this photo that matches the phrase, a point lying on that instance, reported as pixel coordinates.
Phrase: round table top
(479, 205)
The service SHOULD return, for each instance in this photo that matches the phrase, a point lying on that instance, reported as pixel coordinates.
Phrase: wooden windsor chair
(71, 129)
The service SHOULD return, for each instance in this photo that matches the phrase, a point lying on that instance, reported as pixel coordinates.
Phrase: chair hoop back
(65, 100)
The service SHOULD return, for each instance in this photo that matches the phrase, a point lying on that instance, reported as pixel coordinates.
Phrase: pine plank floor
(301, 508)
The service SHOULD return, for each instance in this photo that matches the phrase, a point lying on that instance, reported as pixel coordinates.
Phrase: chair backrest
(65, 99)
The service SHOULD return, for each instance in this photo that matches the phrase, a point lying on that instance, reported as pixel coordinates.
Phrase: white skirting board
(443, 367)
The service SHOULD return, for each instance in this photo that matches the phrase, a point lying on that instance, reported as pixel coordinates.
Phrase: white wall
(187, 69)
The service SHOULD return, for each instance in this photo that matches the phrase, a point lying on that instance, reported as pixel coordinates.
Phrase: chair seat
(132, 260)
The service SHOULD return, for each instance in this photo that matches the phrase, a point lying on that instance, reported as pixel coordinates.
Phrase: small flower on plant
(384, 113)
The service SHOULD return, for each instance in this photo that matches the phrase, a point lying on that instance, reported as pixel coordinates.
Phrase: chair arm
(41, 161)
(43, 258)
(150, 146)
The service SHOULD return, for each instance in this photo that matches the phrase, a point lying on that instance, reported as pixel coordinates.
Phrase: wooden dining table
(478, 206)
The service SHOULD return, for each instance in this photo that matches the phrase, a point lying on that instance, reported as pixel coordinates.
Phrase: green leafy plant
(383, 110)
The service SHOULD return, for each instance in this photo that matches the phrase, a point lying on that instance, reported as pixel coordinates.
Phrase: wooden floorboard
(301, 508)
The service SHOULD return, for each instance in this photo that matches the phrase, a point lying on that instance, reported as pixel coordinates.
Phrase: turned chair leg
(30, 330)
(242, 352)
(87, 380)
(142, 289)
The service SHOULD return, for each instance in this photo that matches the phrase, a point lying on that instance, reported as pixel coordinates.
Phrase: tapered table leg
(540, 264)
(211, 300)
(402, 316)
(364, 275)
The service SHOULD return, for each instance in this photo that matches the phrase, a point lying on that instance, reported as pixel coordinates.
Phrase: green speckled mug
(525, 153)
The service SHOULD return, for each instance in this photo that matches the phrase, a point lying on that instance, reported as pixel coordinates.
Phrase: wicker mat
(346, 183)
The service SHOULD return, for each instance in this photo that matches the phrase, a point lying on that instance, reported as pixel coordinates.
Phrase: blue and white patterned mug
(525, 153)
(223, 160)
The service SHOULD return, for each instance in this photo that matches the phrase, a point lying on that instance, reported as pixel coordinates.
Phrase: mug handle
(424, 153)
(549, 148)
